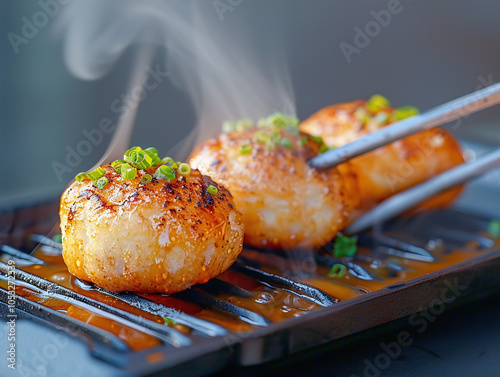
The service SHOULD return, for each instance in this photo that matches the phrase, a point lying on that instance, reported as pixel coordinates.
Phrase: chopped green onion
(377, 103)
(165, 172)
(303, 141)
(117, 165)
(278, 120)
(228, 126)
(382, 117)
(101, 182)
(57, 238)
(82, 176)
(244, 124)
(275, 137)
(287, 143)
(323, 148)
(404, 112)
(151, 150)
(168, 161)
(317, 139)
(146, 178)
(246, 149)
(153, 153)
(239, 125)
(128, 172)
(494, 228)
(175, 165)
(262, 136)
(360, 114)
(97, 173)
(212, 190)
(337, 271)
(169, 321)
(184, 169)
(344, 246)
(138, 158)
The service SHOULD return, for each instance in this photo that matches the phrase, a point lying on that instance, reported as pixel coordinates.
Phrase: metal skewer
(405, 200)
(468, 104)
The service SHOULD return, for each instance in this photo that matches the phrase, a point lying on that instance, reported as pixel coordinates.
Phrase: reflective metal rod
(468, 104)
(405, 200)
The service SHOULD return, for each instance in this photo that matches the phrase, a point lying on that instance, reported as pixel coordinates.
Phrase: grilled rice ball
(285, 203)
(392, 168)
(158, 237)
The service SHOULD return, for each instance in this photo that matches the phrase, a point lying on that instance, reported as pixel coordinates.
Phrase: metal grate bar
(97, 336)
(207, 301)
(19, 255)
(392, 246)
(216, 286)
(204, 327)
(165, 333)
(302, 290)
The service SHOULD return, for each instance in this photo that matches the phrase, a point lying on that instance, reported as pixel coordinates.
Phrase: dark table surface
(462, 341)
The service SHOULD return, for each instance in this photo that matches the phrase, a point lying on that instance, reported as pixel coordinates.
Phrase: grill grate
(258, 309)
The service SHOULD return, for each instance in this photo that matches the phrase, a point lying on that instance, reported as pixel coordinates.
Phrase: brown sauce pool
(275, 304)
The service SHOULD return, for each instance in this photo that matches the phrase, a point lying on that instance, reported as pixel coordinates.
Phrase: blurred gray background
(428, 53)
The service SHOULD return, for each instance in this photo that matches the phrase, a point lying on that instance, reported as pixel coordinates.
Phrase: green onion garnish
(239, 125)
(405, 112)
(165, 172)
(246, 149)
(228, 126)
(360, 114)
(244, 124)
(212, 190)
(82, 176)
(128, 172)
(303, 141)
(57, 238)
(337, 271)
(153, 153)
(93, 175)
(344, 246)
(278, 120)
(494, 228)
(184, 169)
(167, 161)
(317, 139)
(287, 143)
(382, 117)
(101, 182)
(138, 158)
(323, 148)
(262, 136)
(117, 165)
(377, 103)
(169, 321)
(152, 150)
(96, 174)
(146, 178)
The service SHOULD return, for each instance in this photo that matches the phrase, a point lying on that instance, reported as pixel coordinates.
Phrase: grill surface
(268, 305)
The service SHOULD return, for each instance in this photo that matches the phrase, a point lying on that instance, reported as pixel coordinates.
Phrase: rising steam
(226, 73)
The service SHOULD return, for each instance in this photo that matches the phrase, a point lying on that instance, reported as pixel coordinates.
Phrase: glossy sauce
(273, 303)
